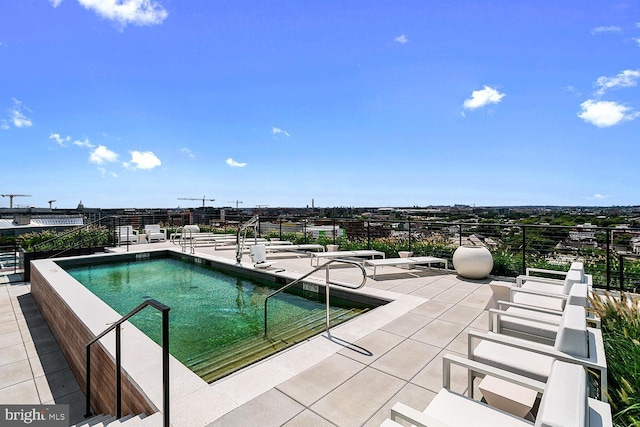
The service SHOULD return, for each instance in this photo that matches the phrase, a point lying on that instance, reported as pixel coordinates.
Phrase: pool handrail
(327, 287)
(165, 359)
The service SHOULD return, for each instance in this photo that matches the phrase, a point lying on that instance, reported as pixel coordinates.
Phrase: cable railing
(328, 282)
(165, 359)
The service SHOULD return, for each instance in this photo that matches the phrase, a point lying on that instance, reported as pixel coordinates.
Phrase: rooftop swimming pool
(216, 317)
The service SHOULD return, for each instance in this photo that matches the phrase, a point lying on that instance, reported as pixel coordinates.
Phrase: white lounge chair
(346, 254)
(545, 294)
(564, 402)
(407, 261)
(574, 343)
(537, 323)
(155, 233)
(557, 276)
(126, 234)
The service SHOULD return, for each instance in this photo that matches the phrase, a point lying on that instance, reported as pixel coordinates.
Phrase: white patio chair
(564, 402)
(574, 343)
(126, 234)
(548, 295)
(155, 233)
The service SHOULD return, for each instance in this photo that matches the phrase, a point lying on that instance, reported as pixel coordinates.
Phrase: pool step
(212, 365)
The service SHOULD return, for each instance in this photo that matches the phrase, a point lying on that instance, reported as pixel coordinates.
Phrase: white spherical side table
(473, 262)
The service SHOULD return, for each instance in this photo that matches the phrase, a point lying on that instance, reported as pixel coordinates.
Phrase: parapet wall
(73, 327)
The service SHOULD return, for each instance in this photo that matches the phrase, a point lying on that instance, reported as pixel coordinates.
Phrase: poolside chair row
(152, 232)
(512, 363)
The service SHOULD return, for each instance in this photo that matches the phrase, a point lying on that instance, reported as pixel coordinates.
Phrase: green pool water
(211, 311)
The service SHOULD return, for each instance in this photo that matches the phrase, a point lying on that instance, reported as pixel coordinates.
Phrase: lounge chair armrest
(597, 361)
(534, 292)
(499, 314)
(400, 411)
(506, 304)
(481, 368)
(523, 278)
(530, 270)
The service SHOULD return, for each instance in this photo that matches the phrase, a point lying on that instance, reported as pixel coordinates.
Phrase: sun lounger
(575, 343)
(289, 247)
(564, 402)
(345, 254)
(411, 261)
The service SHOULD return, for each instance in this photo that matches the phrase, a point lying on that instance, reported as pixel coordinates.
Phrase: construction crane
(11, 196)
(50, 202)
(234, 201)
(204, 199)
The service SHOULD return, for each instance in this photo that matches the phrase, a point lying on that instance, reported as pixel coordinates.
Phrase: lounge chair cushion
(564, 401)
(519, 361)
(539, 301)
(572, 333)
(457, 410)
(521, 327)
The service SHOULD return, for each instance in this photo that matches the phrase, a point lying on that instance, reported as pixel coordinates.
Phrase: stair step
(216, 363)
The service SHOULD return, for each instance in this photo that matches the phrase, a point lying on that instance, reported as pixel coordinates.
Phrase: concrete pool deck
(391, 354)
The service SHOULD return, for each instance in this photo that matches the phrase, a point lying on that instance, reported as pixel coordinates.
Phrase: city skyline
(141, 103)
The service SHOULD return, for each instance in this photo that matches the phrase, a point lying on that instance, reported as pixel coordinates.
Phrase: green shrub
(621, 334)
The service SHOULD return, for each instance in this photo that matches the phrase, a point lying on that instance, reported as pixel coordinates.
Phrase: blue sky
(137, 103)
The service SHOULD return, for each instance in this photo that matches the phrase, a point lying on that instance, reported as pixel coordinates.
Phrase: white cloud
(142, 160)
(17, 116)
(124, 12)
(102, 155)
(55, 3)
(278, 131)
(605, 113)
(599, 196)
(606, 29)
(637, 40)
(232, 163)
(62, 142)
(84, 143)
(402, 39)
(483, 97)
(188, 152)
(627, 78)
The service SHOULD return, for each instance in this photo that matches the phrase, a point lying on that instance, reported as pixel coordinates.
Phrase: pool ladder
(328, 282)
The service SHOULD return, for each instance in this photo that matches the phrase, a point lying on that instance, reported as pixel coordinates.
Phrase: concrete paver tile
(368, 349)
(12, 354)
(272, 408)
(308, 418)
(461, 314)
(452, 296)
(325, 376)
(355, 401)
(407, 324)
(20, 393)
(438, 333)
(56, 384)
(430, 377)
(48, 363)
(432, 308)
(406, 359)
(14, 373)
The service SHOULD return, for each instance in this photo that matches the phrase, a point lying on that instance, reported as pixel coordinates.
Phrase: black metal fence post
(409, 226)
(608, 260)
(621, 271)
(524, 249)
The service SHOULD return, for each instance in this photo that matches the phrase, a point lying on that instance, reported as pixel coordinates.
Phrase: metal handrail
(64, 234)
(327, 287)
(165, 359)
(240, 240)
